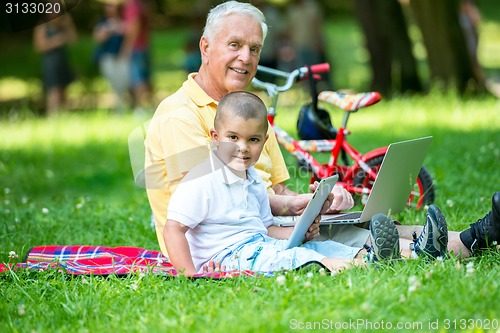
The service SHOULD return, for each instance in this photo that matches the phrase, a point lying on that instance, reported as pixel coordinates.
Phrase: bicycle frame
(350, 176)
(302, 149)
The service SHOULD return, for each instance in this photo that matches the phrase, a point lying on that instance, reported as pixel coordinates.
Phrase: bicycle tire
(424, 184)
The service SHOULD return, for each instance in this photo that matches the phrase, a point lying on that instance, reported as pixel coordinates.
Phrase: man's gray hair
(216, 15)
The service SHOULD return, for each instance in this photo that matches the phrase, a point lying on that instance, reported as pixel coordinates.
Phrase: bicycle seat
(349, 102)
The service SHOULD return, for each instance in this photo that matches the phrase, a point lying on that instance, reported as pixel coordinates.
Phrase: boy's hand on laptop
(337, 201)
(313, 231)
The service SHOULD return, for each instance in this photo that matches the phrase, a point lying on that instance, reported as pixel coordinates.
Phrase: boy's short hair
(241, 104)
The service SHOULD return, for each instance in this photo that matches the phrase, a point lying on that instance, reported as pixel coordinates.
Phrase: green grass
(77, 167)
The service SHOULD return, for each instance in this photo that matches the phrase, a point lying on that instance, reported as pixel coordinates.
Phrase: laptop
(311, 211)
(392, 187)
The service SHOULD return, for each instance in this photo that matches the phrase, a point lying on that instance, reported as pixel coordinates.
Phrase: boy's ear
(213, 135)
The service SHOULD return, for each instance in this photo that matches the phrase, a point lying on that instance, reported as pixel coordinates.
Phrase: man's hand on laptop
(337, 201)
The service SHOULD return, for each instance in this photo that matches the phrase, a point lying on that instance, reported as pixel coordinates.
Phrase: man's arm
(281, 189)
(286, 202)
(174, 235)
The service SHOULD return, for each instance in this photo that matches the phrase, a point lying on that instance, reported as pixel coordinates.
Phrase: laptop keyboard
(341, 217)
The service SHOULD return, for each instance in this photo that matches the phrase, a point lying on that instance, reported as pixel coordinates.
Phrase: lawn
(68, 180)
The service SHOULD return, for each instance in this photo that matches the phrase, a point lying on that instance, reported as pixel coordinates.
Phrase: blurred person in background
(51, 39)
(137, 16)
(109, 34)
(269, 55)
(305, 31)
(192, 55)
(470, 19)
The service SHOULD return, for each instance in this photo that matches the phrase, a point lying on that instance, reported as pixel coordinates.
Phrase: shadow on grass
(95, 169)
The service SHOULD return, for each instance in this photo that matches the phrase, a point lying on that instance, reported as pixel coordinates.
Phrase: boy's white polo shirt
(220, 208)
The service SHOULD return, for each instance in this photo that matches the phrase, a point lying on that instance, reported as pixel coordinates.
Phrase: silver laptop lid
(396, 177)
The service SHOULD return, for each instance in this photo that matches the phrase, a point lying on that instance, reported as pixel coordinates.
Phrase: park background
(67, 180)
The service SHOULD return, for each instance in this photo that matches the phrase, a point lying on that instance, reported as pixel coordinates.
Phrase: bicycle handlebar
(292, 77)
(320, 68)
(272, 71)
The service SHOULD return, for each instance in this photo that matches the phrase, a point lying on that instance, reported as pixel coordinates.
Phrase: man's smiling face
(232, 55)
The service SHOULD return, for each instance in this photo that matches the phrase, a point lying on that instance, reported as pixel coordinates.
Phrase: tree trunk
(392, 62)
(449, 58)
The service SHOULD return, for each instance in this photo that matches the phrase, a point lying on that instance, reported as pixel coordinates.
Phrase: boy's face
(239, 141)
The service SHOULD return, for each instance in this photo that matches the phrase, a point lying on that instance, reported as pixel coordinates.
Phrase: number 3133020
(33, 8)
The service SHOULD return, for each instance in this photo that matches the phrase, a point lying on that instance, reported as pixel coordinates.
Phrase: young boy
(220, 212)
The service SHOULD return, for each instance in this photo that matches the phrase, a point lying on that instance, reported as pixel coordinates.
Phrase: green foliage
(67, 180)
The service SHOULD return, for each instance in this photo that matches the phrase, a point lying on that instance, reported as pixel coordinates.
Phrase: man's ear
(204, 45)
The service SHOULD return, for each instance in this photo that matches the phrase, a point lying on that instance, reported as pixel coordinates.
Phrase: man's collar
(197, 94)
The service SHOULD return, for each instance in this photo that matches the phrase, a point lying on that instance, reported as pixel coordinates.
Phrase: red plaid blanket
(102, 260)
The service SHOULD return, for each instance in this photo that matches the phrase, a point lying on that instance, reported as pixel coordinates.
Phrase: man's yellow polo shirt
(178, 139)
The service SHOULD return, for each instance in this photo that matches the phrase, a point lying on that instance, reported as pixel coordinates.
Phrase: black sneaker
(486, 231)
(384, 239)
(433, 241)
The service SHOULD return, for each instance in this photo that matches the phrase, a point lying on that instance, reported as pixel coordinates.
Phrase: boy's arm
(286, 202)
(174, 235)
(278, 232)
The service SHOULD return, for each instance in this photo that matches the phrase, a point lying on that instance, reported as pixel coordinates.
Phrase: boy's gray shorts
(265, 254)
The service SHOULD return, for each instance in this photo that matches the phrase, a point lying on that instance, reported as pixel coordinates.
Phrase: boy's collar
(227, 175)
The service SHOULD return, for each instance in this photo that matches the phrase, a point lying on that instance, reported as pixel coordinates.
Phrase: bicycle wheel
(422, 193)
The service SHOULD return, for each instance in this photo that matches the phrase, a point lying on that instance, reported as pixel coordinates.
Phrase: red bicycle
(356, 171)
